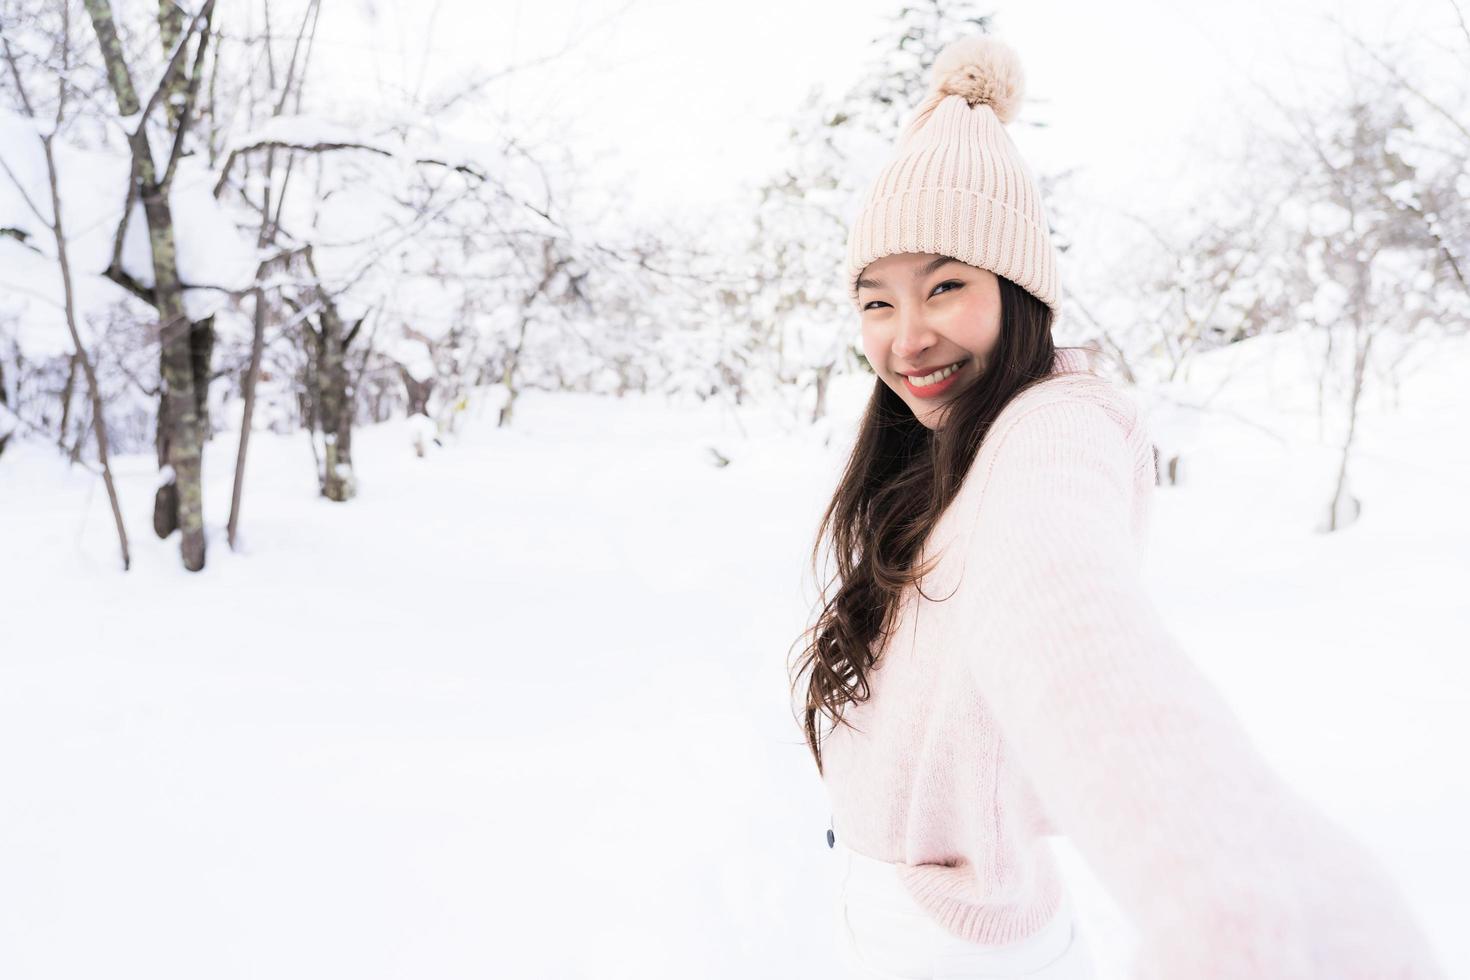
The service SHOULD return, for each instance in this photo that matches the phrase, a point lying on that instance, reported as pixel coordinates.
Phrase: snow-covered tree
(1373, 256)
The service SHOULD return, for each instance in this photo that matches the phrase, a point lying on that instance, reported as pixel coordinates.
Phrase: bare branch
(327, 146)
(196, 75)
(313, 12)
(590, 29)
(20, 87)
(1460, 15)
(40, 216)
(117, 275)
(199, 24)
(129, 199)
(268, 229)
(1407, 85)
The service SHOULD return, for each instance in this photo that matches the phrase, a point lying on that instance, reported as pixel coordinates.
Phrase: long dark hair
(898, 481)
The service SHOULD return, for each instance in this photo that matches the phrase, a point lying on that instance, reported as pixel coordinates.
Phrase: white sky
(681, 104)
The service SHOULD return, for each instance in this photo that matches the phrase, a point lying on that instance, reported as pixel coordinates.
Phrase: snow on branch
(308, 134)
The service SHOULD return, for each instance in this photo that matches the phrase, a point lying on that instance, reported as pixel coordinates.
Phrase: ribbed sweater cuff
(942, 892)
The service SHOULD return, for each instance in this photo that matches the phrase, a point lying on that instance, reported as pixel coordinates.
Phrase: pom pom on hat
(984, 71)
(957, 185)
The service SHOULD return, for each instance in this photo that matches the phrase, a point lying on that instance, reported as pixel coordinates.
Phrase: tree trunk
(179, 502)
(166, 497)
(549, 268)
(185, 346)
(201, 355)
(508, 379)
(1345, 508)
(67, 390)
(190, 373)
(74, 455)
(824, 375)
(252, 374)
(4, 409)
(418, 392)
(335, 399)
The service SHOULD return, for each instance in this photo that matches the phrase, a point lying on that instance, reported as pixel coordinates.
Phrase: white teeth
(936, 377)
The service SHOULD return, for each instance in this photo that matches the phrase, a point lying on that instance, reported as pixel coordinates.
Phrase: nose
(913, 335)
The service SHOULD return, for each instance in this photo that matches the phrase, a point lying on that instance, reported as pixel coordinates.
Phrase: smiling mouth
(930, 385)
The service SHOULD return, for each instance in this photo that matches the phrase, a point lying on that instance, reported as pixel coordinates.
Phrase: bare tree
(185, 346)
(329, 336)
(47, 136)
(553, 264)
(273, 199)
(1353, 246)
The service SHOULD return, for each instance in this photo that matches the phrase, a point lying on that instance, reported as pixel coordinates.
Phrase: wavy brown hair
(899, 479)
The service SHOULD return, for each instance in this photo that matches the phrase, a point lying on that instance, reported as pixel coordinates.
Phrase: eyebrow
(919, 273)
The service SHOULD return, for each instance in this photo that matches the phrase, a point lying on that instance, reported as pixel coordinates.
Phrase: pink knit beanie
(957, 185)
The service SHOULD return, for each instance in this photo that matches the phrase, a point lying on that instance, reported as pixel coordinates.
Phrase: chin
(929, 419)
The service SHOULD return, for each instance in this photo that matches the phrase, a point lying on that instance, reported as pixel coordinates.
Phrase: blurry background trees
(197, 242)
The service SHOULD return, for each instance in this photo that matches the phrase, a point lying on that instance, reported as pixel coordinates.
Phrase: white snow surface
(520, 708)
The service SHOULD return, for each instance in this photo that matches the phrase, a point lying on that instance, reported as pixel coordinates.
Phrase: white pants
(886, 936)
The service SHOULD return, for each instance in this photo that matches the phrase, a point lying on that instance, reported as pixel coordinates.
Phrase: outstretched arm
(1226, 871)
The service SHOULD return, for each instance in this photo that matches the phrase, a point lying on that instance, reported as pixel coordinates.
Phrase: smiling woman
(992, 667)
(930, 325)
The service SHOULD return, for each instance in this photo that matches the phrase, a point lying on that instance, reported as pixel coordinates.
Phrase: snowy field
(520, 710)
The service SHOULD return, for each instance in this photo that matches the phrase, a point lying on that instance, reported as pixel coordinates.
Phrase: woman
(991, 668)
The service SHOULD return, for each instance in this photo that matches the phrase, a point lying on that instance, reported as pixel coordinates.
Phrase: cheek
(873, 347)
(979, 326)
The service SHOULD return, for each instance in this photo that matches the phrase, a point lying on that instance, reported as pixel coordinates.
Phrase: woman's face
(925, 315)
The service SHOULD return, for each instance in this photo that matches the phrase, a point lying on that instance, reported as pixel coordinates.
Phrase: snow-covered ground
(520, 710)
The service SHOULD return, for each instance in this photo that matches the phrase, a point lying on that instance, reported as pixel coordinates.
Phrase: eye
(957, 284)
(873, 304)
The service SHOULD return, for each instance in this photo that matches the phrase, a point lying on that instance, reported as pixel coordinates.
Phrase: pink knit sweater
(1040, 693)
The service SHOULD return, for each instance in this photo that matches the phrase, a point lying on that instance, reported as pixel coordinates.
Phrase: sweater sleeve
(1223, 869)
